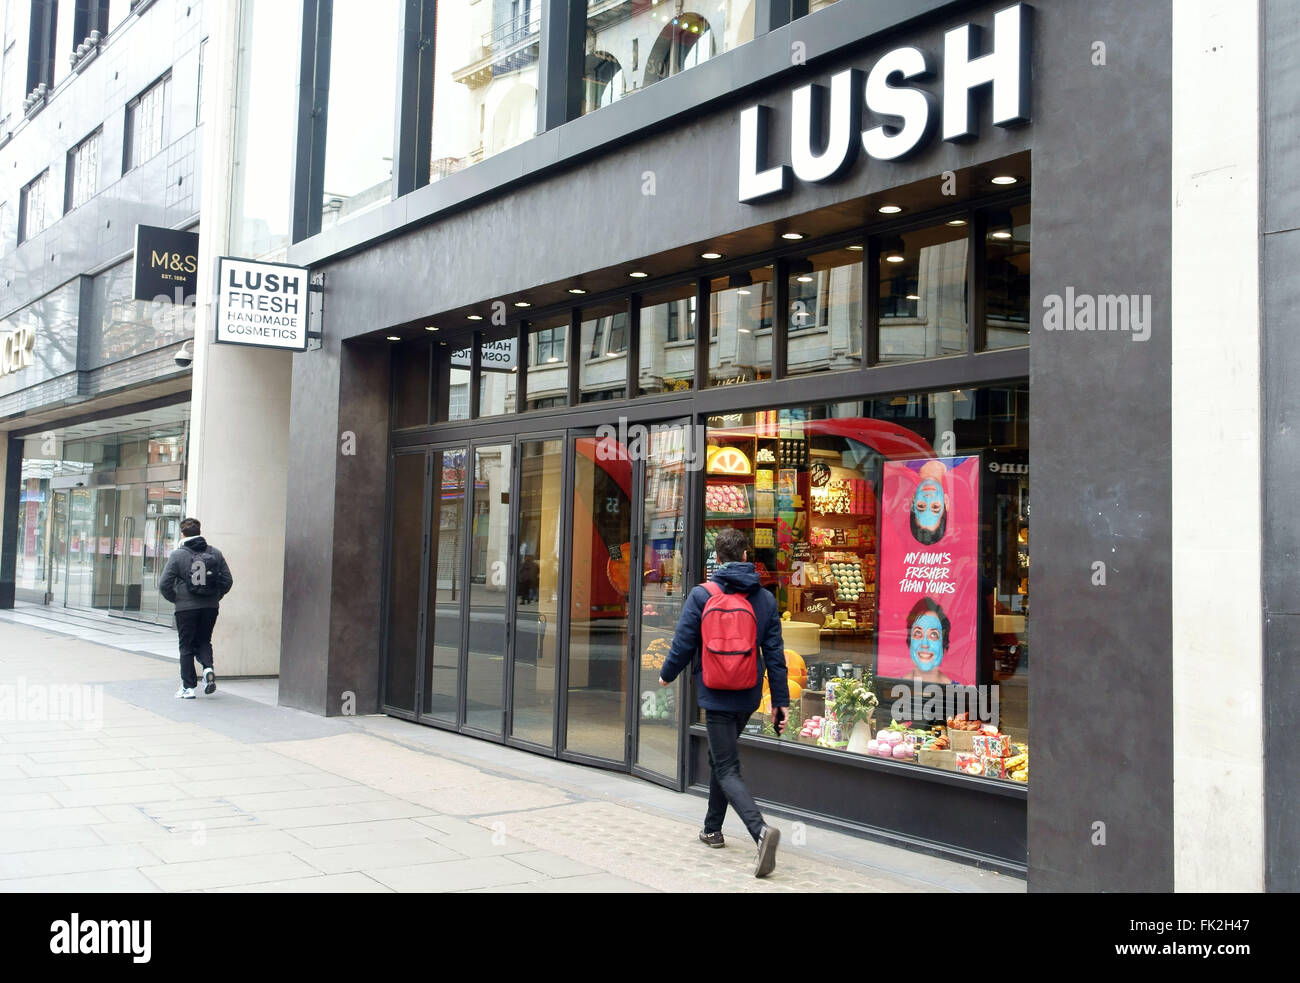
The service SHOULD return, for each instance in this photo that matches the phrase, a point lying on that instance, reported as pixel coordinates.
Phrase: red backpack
(728, 640)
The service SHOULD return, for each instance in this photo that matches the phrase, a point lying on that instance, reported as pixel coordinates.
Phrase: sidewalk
(230, 792)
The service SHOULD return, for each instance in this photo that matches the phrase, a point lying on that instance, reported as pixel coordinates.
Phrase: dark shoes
(712, 839)
(767, 843)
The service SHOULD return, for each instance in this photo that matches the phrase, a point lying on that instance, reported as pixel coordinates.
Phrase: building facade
(602, 277)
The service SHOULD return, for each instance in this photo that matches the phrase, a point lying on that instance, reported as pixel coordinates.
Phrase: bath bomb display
(894, 737)
(873, 747)
(902, 751)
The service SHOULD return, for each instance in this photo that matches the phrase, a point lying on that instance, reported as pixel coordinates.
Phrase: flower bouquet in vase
(854, 703)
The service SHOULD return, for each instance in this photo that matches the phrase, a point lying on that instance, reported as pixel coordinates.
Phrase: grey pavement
(109, 783)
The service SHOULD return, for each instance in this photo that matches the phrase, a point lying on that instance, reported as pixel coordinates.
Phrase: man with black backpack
(734, 627)
(195, 580)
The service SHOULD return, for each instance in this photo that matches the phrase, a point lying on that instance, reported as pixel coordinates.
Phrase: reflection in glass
(635, 43)
(498, 376)
(740, 327)
(361, 109)
(489, 585)
(537, 590)
(410, 384)
(1006, 271)
(485, 80)
(602, 373)
(548, 363)
(598, 604)
(446, 584)
(667, 360)
(923, 293)
(662, 589)
(825, 326)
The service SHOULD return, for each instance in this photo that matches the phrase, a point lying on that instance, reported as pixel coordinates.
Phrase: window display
(901, 575)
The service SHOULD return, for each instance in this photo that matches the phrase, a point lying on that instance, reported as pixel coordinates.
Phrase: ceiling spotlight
(430, 327)
(854, 248)
(394, 337)
(710, 255)
(913, 296)
(638, 274)
(576, 290)
(804, 279)
(792, 236)
(1000, 225)
(1005, 179)
(892, 249)
(742, 292)
(476, 317)
(956, 221)
(889, 209)
(523, 303)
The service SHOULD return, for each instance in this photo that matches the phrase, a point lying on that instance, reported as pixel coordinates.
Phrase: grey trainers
(712, 839)
(185, 693)
(209, 682)
(767, 843)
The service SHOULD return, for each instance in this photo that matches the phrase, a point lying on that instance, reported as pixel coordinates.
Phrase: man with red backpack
(733, 626)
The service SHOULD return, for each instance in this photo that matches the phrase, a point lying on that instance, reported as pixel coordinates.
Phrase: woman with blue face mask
(927, 640)
(929, 512)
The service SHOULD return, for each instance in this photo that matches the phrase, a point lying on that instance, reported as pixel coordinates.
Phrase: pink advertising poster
(929, 570)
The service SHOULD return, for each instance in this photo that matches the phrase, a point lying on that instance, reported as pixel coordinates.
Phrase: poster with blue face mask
(929, 575)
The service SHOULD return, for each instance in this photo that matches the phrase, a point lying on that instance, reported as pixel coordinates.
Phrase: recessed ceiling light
(1001, 234)
(522, 303)
(854, 248)
(894, 258)
(476, 317)
(792, 236)
(576, 290)
(956, 221)
(804, 279)
(1005, 179)
(743, 292)
(638, 274)
(430, 327)
(889, 209)
(394, 337)
(913, 296)
(743, 330)
(710, 255)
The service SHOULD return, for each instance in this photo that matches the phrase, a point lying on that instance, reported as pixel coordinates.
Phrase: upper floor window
(40, 43)
(89, 15)
(82, 172)
(146, 124)
(31, 206)
(548, 346)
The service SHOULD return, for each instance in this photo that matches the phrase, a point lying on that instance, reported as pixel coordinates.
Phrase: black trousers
(194, 631)
(725, 784)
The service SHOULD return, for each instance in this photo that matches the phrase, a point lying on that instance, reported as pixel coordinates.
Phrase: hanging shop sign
(909, 109)
(16, 350)
(166, 264)
(261, 305)
(929, 570)
(494, 356)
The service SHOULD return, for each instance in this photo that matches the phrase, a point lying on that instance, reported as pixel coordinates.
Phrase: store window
(498, 374)
(602, 372)
(32, 206)
(824, 330)
(740, 327)
(485, 80)
(260, 202)
(146, 124)
(667, 356)
(363, 50)
(1006, 277)
(639, 42)
(547, 380)
(924, 295)
(82, 172)
(902, 575)
(451, 390)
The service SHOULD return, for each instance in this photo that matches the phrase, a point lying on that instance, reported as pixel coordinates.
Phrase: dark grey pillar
(9, 520)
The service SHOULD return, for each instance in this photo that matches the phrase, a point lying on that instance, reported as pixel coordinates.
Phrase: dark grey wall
(1100, 707)
(1280, 249)
(1100, 419)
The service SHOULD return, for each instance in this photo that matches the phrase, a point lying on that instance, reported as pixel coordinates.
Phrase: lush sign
(263, 305)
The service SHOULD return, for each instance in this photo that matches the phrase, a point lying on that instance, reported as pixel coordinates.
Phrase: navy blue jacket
(733, 578)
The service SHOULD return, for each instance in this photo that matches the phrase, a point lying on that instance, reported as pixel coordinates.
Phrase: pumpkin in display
(796, 667)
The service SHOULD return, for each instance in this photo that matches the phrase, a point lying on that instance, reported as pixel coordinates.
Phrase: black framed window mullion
(573, 346)
(633, 345)
(703, 328)
(413, 127)
(475, 372)
(978, 333)
(313, 95)
(871, 305)
(780, 317)
(561, 62)
(522, 357)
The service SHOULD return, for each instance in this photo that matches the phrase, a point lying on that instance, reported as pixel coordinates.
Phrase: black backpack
(208, 576)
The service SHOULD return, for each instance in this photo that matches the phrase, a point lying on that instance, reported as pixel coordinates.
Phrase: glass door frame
(427, 452)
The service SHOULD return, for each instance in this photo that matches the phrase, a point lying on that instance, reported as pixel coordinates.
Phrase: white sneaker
(209, 682)
(185, 693)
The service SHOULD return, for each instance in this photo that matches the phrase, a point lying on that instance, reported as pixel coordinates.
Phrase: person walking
(195, 580)
(728, 621)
